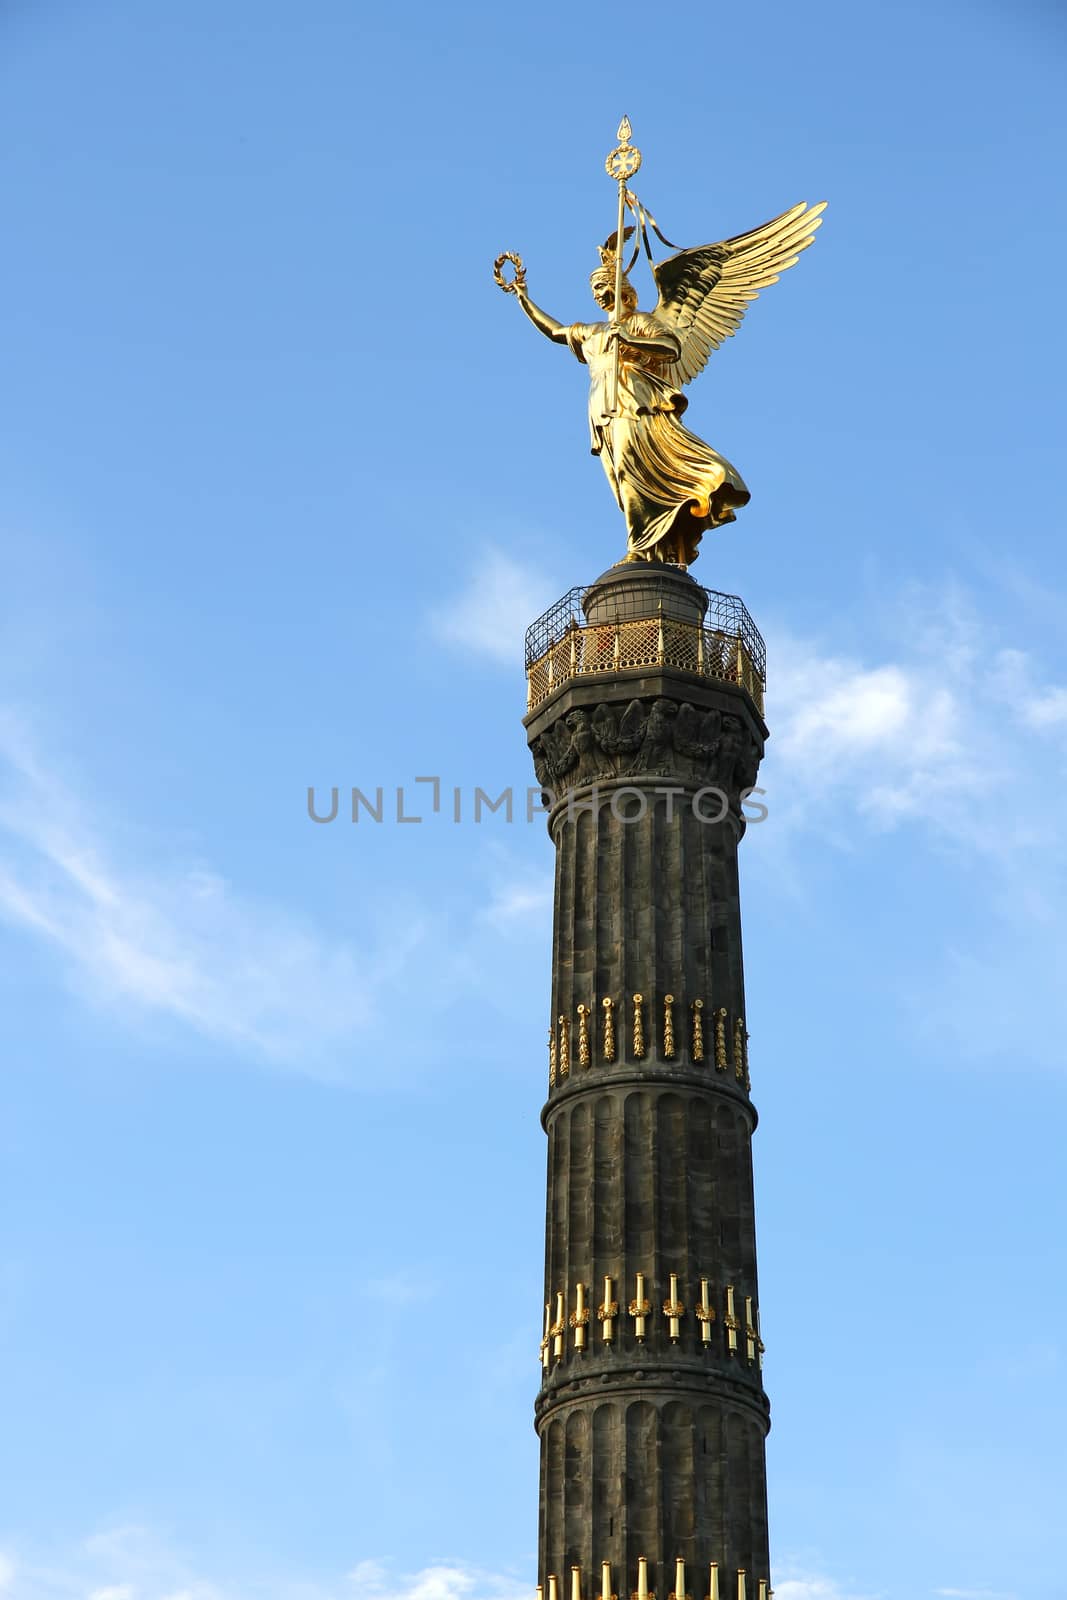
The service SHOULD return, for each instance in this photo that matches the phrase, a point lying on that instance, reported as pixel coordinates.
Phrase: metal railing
(727, 647)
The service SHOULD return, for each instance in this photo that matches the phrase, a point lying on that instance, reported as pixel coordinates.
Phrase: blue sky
(283, 479)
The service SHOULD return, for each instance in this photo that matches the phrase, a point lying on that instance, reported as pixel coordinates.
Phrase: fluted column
(652, 1414)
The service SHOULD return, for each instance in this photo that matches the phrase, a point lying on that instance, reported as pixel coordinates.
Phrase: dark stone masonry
(652, 1414)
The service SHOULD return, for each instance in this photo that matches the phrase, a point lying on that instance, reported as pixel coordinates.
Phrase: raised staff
(623, 162)
(669, 484)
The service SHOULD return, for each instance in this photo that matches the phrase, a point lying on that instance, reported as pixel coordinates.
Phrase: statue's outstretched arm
(547, 325)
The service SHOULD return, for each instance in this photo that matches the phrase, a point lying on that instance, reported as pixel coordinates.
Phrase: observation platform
(640, 615)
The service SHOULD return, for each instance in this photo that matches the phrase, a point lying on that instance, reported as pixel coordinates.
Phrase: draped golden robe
(668, 483)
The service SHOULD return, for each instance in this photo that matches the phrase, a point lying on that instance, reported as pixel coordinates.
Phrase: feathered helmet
(604, 276)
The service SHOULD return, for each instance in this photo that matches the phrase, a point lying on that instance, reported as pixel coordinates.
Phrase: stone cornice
(639, 1381)
(594, 1081)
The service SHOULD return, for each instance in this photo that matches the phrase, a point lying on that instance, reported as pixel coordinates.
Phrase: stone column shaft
(652, 1442)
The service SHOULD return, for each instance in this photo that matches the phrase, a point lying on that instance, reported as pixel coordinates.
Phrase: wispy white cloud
(520, 901)
(976, 1594)
(399, 1289)
(884, 740)
(808, 1589)
(942, 734)
(938, 731)
(447, 1581)
(132, 1562)
(518, 888)
(1047, 709)
(945, 729)
(179, 943)
(800, 1584)
(491, 613)
(135, 1563)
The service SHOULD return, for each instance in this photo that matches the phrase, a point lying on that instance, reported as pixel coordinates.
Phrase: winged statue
(669, 484)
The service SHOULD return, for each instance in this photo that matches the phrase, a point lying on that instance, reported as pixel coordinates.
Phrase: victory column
(645, 723)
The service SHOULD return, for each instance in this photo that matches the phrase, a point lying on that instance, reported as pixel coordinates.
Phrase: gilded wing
(704, 293)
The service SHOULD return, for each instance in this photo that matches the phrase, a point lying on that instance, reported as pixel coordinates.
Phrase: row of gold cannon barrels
(576, 1043)
(718, 1589)
(639, 1311)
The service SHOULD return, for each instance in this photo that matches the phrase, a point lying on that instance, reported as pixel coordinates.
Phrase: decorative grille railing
(727, 647)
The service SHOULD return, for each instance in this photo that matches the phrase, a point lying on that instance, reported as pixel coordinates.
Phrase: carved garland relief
(652, 738)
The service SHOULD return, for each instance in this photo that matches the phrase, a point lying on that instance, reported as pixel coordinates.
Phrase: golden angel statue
(669, 484)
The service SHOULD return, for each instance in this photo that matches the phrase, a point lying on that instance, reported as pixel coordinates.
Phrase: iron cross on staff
(621, 165)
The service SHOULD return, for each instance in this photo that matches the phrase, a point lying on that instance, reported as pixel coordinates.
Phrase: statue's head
(602, 283)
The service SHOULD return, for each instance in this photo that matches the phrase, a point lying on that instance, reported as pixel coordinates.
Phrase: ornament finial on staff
(669, 484)
(621, 165)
